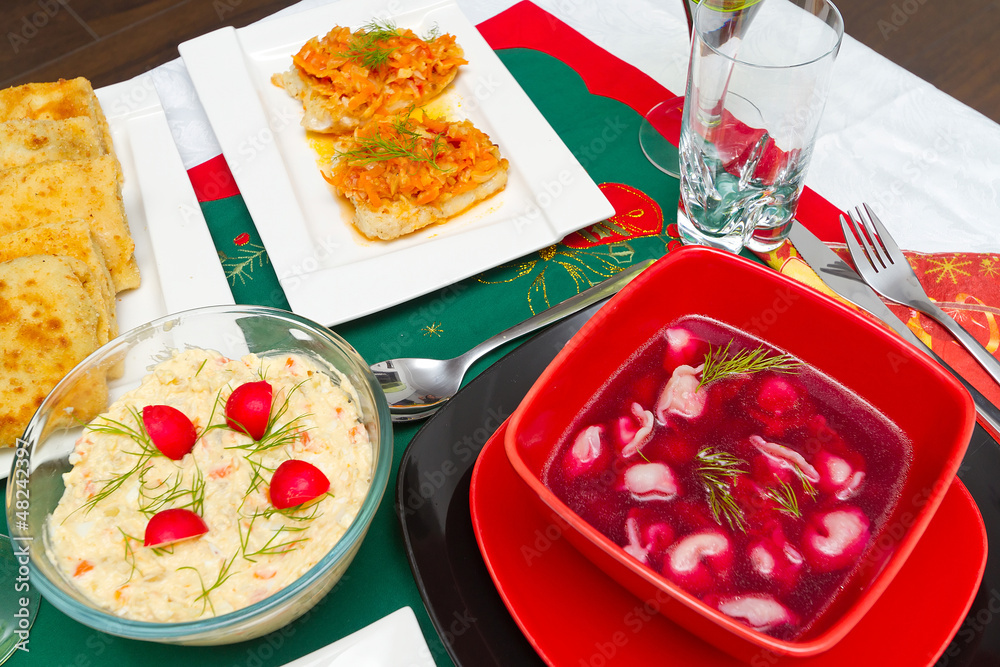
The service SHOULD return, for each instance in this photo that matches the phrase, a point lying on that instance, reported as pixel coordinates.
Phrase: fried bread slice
(48, 324)
(53, 192)
(56, 100)
(70, 239)
(26, 141)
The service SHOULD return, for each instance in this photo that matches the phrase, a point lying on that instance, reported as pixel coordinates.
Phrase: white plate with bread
(329, 270)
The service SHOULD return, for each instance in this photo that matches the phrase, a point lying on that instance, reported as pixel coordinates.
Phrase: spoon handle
(574, 304)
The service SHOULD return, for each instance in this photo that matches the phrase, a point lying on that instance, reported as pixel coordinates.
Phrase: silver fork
(884, 267)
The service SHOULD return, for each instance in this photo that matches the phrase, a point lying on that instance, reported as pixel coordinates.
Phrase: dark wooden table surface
(954, 45)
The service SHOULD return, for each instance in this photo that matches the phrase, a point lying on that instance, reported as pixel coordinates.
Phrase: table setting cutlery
(454, 582)
(882, 264)
(845, 281)
(417, 388)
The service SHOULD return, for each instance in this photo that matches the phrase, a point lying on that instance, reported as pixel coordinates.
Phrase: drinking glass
(757, 85)
(657, 122)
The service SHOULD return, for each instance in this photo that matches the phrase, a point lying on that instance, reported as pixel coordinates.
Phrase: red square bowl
(931, 408)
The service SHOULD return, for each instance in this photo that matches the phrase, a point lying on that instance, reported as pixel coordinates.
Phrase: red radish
(173, 525)
(681, 395)
(650, 481)
(588, 449)
(698, 561)
(170, 430)
(834, 540)
(296, 482)
(634, 436)
(248, 408)
(759, 611)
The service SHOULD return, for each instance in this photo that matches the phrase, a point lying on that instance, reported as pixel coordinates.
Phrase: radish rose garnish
(170, 430)
(173, 525)
(248, 409)
(296, 482)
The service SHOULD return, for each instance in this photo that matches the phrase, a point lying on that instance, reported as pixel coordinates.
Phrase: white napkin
(392, 641)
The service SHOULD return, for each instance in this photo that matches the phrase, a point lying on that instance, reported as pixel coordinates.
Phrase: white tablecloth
(928, 164)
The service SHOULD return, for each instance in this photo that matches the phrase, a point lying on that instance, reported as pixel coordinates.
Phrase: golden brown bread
(70, 239)
(48, 323)
(55, 192)
(56, 100)
(24, 141)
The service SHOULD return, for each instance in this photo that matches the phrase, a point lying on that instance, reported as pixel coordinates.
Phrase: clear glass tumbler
(757, 85)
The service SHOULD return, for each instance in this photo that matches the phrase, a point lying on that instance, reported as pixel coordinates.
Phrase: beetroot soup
(745, 476)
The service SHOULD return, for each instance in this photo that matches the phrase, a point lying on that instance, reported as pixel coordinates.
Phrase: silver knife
(845, 281)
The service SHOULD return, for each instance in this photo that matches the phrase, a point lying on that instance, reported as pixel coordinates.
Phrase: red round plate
(575, 615)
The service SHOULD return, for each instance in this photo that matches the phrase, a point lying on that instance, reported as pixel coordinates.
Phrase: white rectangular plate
(329, 272)
(177, 259)
(178, 264)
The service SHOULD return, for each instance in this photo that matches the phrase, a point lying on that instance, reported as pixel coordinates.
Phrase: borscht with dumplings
(748, 478)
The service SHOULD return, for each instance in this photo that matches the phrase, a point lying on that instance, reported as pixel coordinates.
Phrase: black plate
(432, 502)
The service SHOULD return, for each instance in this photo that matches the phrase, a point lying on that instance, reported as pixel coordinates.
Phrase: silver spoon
(416, 388)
